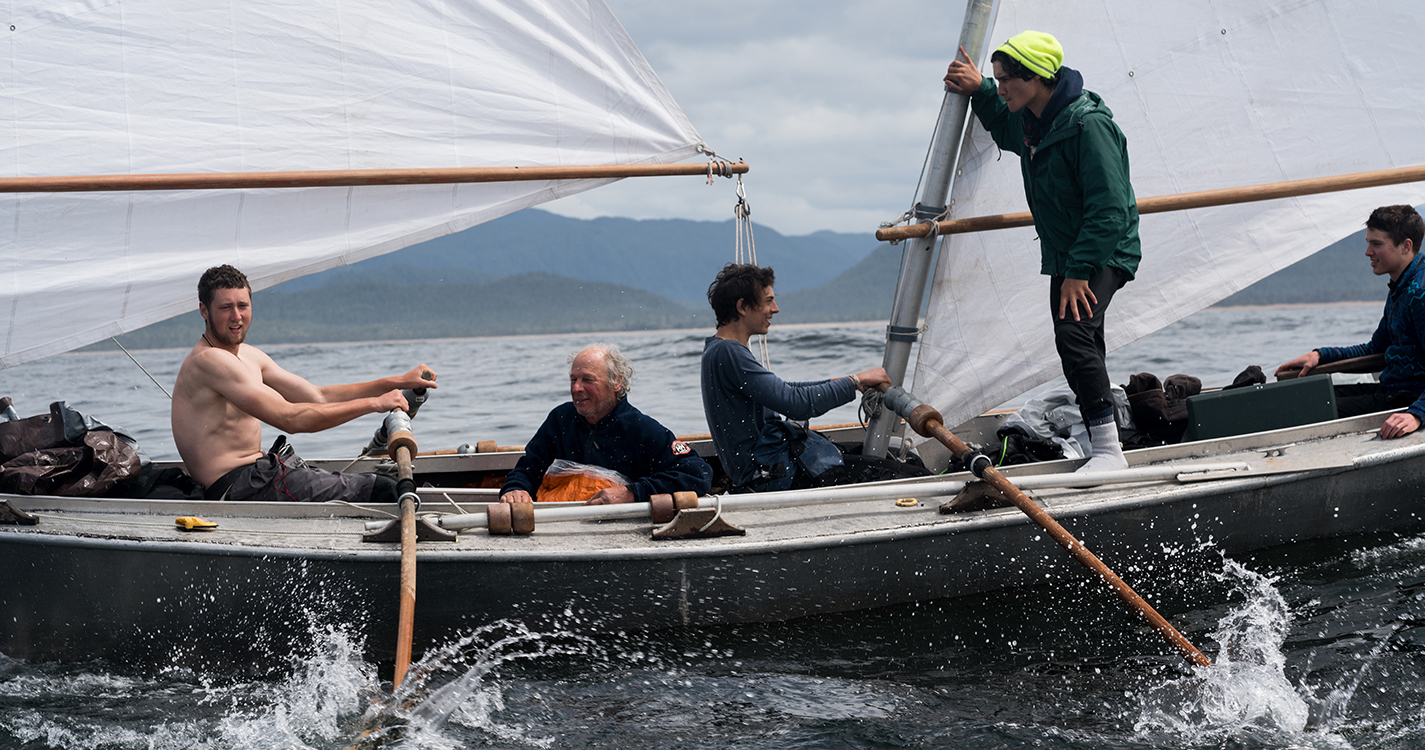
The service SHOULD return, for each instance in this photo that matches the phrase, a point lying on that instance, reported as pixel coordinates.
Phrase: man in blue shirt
(598, 426)
(741, 398)
(1393, 235)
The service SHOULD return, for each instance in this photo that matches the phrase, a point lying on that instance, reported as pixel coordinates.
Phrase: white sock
(1107, 452)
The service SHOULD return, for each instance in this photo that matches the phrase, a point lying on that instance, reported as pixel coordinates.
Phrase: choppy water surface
(1317, 646)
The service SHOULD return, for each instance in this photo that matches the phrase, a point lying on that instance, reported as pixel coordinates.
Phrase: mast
(915, 270)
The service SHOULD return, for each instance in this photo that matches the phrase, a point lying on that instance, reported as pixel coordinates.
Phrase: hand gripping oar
(928, 422)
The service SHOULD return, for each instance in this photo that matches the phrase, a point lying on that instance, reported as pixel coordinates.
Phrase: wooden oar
(403, 446)
(928, 422)
(1368, 363)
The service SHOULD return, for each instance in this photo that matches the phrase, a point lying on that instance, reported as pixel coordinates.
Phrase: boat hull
(171, 599)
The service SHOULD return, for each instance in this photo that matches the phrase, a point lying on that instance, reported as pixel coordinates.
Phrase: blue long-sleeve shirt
(740, 395)
(1400, 336)
(625, 440)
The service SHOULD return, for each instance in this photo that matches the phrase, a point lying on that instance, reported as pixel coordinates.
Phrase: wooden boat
(118, 578)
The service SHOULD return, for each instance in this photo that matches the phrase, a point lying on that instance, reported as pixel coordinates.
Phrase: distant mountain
(1338, 272)
(463, 285)
(673, 258)
(865, 291)
(362, 309)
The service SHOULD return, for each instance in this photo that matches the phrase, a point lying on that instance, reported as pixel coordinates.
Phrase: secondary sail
(1210, 95)
(174, 86)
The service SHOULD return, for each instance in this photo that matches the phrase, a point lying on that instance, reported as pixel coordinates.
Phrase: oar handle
(417, 396)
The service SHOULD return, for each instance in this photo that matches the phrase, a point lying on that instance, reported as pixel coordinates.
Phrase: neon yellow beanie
(1039, 52)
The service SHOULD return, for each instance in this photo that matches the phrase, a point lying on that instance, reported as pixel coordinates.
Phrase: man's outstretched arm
(297, 389)
(246, 390)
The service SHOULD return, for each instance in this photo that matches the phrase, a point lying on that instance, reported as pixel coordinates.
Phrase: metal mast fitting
(945, 149)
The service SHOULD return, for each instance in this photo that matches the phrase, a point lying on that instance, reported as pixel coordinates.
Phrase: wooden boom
(1180, 202)
(354, 177)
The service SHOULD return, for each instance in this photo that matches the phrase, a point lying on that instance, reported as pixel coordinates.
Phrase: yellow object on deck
(194, 523)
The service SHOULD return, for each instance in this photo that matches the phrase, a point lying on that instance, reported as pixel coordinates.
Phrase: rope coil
(718, 166)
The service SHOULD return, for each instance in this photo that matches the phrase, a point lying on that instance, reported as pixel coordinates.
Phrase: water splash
(74, 707)
(312, 707)
(417, 711)
(1246, 697)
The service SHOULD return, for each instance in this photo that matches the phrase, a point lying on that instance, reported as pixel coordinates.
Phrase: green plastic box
(1270, 406)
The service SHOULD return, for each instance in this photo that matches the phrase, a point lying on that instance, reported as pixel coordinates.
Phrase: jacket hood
(1071, 84)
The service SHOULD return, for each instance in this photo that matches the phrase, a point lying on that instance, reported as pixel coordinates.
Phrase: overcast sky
(831, 102)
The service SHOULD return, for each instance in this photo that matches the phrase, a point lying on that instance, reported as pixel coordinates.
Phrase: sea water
(1317, 646)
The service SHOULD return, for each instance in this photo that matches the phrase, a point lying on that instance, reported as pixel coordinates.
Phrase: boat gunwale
(1083, 505)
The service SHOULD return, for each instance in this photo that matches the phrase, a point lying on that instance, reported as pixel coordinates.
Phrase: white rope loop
(717, 165)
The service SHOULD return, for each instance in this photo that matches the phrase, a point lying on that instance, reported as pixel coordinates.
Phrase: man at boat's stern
(226, 389)
(1393, 236)
(1074, 161)
(742, 399)
(598, 428)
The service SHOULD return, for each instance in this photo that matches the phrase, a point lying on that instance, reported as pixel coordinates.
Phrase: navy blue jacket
(1400, 336)
(625, 440)
(740, 396)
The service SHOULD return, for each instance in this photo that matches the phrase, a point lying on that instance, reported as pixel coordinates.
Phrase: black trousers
(1081, 345)
(1366, 398)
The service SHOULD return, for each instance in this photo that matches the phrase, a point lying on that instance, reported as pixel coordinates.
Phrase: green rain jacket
(1076, 181)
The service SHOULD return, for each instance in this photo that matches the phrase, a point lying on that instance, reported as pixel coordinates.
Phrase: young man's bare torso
(226, 389)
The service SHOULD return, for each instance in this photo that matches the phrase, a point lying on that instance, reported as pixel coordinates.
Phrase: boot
(1107, 452)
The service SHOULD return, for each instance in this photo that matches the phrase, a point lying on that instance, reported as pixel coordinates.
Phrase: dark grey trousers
(1081, 345)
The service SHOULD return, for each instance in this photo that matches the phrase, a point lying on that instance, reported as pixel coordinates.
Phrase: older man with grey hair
(600, 428)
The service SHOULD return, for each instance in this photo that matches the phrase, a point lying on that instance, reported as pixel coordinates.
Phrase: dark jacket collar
(1071, 85)
(621, 408)
(1410, 272)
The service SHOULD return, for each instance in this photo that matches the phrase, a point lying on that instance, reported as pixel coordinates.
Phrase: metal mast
(905, 315)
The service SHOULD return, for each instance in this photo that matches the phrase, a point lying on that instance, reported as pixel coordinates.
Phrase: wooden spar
(1180, 202)
(354, 177)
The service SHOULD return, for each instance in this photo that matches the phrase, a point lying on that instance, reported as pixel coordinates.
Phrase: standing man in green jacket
(1074, 160)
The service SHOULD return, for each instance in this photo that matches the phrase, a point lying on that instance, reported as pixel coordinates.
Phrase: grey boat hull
(77, 587)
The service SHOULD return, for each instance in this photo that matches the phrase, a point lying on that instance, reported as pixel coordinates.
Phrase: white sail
(1210, 95)
(166, 86)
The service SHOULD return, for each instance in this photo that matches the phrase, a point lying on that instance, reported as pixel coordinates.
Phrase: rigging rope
(145, 370)
(745, 251)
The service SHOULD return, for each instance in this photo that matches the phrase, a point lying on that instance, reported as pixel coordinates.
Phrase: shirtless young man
(226, 389)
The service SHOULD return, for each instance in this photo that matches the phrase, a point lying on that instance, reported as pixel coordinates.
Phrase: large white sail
(1210, 95)
(165, 86)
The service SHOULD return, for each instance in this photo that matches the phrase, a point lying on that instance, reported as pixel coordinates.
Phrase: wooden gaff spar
(356, 177)
(1180, 202)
